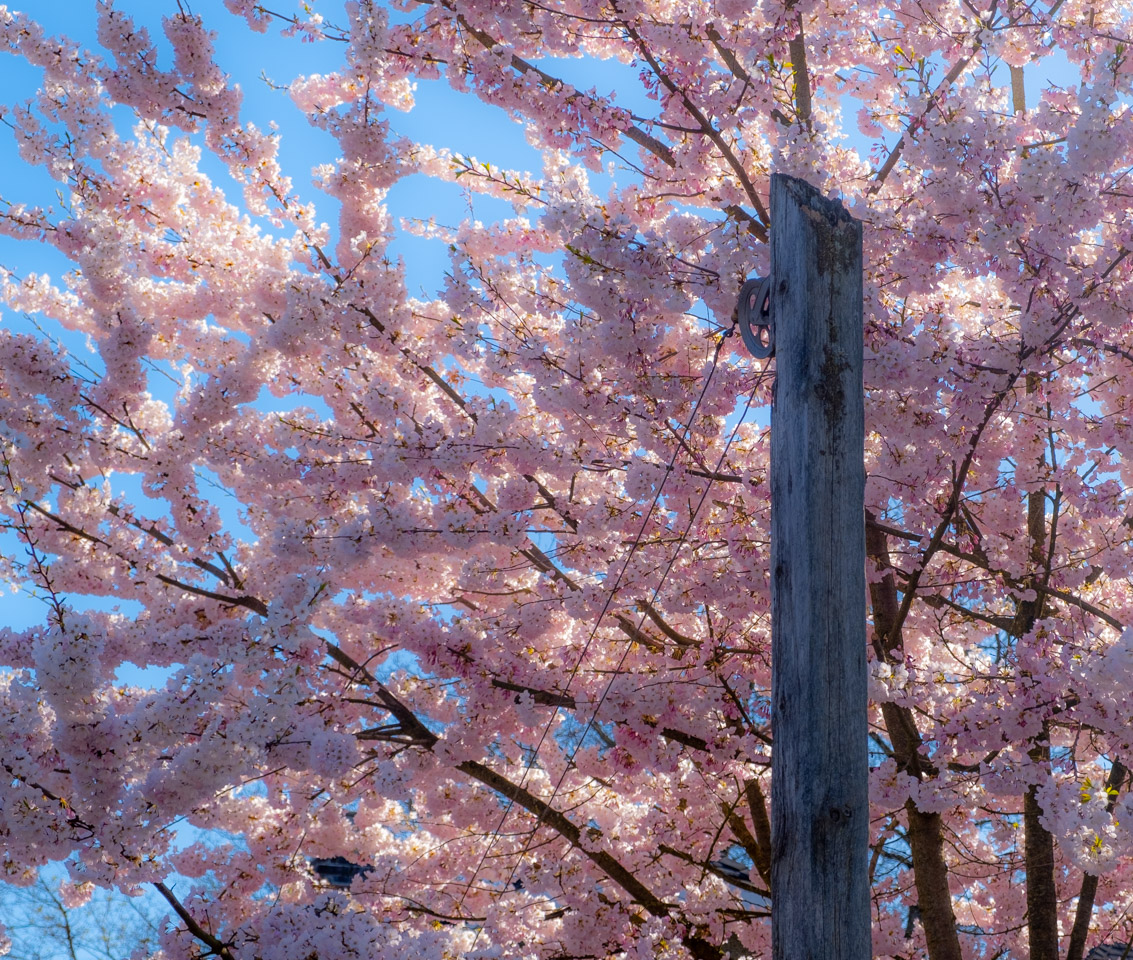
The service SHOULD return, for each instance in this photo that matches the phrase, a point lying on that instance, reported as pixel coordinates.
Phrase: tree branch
(1084, 911)
(218, 947)
(980, 562)
(797, 47)
(570, 831)
(886, 168)
(925, 833)
(757, 805)
(706, 128)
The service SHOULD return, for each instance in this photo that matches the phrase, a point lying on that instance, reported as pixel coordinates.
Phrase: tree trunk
(926, 836)
(1042, 897)
(1085, 909)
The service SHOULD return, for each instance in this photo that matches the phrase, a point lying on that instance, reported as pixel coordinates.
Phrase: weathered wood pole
(819, 789)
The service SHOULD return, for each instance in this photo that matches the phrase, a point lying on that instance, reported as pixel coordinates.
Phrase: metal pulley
(754, 315)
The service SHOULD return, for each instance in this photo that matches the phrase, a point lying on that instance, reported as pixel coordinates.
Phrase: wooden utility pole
(819, 788)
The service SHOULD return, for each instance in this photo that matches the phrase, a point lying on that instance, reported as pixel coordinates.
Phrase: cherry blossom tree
(469, 590)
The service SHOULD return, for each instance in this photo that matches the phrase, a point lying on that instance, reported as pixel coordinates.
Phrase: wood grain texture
(819, 792)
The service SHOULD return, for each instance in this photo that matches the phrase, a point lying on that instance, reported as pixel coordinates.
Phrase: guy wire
(713, 366)
(617, 671)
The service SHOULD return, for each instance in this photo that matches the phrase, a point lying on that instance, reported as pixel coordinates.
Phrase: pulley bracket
(754, 316)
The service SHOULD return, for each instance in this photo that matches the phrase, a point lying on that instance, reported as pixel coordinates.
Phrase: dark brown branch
(408, 729)
(251, 603)
(757, 805)
(713, 869)
(678, 638)
(706, 128)
(568, 830)
(957, 767)
(1038, 841)
(547, 698)
(740, 831)
(442, 384)
(350, 663)
(1003, 623)
(930, 873)
(690, 740)
(218, 947)
(925, 830)
(980, 561)
(718, 477)
(961, 476)
(630, 629)
(420, 735)
(1038, 853)
(150, 530)
(1085, 910)
(1108, 347)
(732, 62)
(73, 818)
(552, 502)
(67, 527)
(523, 67)
(797, 49)
(544, 564)
(933, 103)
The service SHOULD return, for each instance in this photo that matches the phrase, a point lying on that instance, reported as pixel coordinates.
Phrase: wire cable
(652, 600)
(656, 593)
(713, 365)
